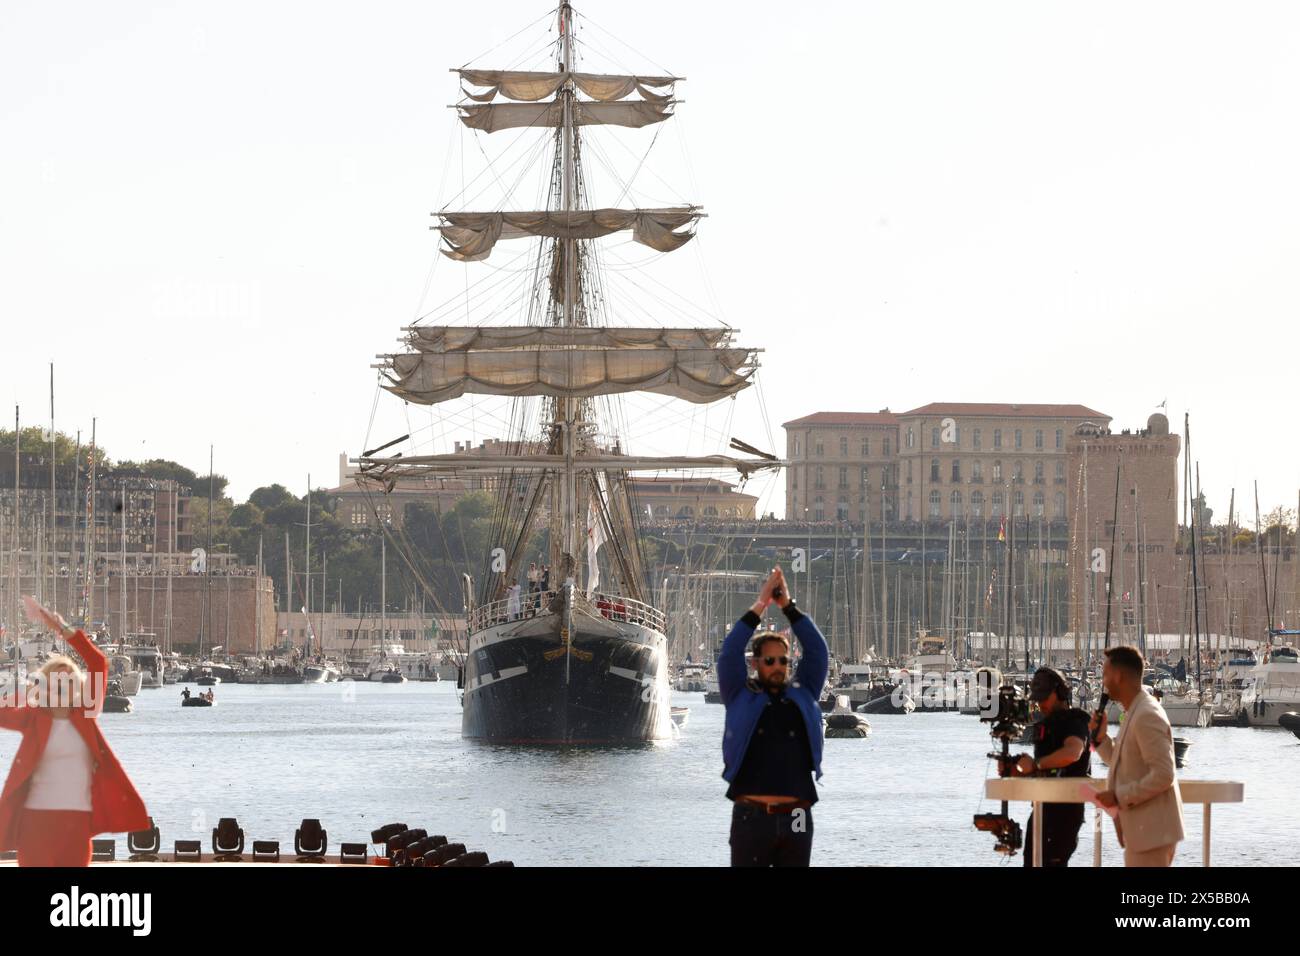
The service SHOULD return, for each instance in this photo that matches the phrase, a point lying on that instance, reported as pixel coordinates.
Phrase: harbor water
(359, 755)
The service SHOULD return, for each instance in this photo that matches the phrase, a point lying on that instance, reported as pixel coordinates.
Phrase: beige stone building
(660, 498)
(942, 460)
(844, 466)
(980, 460)
(1150, 578)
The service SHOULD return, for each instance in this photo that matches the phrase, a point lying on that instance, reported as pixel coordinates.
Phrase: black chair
(144, 845)
(266, 851)
(103, 850)
(310, 842)
(227, 841)
(353, 853)
(476, 858)
(188, 851)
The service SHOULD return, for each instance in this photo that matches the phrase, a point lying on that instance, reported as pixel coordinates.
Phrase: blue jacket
(745, 704)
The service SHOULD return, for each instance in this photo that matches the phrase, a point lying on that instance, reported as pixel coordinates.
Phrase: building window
(1038, 438)
(1058, 505)
(1019, 439)
(842, 509)
(934, 504)
(996, 511)
(997, 472)
(977, 504)
(661, 511)
(909, 471)
(886, 443)
(956, 470)
(710, 511)
(794, 478)
(1060, 436)
(819, 511)
(1038, 472)
(1020, 504)
(686, 511)
(909, 505)
(977, 472)
(821, 477)
(819, 449)
(866, 447)
(934, 438)
(1038, 504)
(911, 439)
(1018, 475)
(844, 447)
(865, 476)
(954, 502)
(934, 469)
(997, 438)
(844, 476)
(1060, 472)
(796, 448)
(976, 439)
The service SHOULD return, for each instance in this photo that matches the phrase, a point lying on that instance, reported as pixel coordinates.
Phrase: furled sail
(461, 338)
(491, 117)
(529, 86)
(472, 235)
(697, 375)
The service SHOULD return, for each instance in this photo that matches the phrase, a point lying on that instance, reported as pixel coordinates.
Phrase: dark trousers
(1061, 822)
(759, 838)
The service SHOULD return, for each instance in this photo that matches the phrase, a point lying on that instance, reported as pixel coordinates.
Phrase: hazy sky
(214, 215)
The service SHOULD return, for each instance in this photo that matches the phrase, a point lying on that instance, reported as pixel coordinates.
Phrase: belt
(785, 806)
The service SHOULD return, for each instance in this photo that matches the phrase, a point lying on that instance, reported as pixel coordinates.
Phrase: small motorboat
(115, 702)
(392, 677)
(842, 722)
(207, 679)
(1291, 721)
(680, 715)
(197, 701)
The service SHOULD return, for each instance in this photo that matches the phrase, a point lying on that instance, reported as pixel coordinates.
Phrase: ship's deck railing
(1040, 790)
(498, 612)
(615, 607)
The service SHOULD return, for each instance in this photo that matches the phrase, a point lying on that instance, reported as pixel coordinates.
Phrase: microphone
(1101, 709)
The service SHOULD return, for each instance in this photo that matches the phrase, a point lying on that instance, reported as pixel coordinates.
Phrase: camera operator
(1060, 750)
(772, 744)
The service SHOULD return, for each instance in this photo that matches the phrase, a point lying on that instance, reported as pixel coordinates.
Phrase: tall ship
(579, 656)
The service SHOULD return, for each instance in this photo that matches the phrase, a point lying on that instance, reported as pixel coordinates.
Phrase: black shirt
(779, 758)
(1051, 734)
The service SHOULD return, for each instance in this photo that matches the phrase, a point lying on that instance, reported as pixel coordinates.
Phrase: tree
(36, 441)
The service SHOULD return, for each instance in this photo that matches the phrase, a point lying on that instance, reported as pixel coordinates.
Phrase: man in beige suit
(1141, 782)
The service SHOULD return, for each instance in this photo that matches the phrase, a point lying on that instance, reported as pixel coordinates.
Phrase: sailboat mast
(568, 405)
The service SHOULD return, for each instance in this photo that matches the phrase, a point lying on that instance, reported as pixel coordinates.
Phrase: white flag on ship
(595, 535)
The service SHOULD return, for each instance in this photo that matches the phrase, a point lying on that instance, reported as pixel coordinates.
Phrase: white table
(1040, 790)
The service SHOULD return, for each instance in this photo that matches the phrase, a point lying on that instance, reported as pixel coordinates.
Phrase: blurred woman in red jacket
(65, 784)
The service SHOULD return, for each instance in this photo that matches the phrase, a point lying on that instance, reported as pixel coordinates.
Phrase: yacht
(1183, 705)
(1273, 688)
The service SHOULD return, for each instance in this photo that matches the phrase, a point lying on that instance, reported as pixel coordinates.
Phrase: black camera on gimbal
(1007, 723)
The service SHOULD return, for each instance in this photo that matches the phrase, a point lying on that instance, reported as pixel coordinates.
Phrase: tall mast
(569, 404)
(52, 547)
(15, 556)
(306, 570)
(90, 531)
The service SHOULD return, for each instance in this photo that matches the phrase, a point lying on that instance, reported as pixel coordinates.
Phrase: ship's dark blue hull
(600, 689)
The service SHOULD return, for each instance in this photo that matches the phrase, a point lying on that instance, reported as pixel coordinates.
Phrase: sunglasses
(769, 661)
